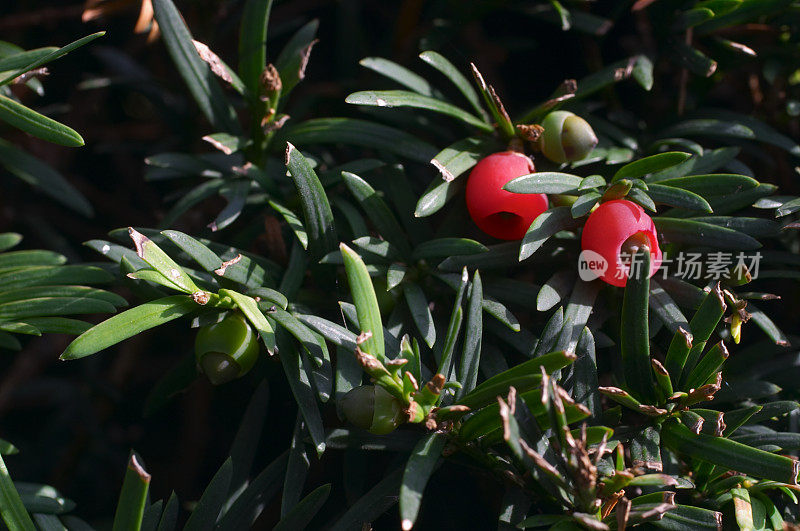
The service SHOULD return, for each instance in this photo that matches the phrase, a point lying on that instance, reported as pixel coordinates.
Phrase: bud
(271, 81)
(531, 133)
(566, 137)
(736, 328)
(226, 350)
(618, 190)
(372, 408)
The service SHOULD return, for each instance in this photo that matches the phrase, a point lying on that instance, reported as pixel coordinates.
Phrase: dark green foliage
(583, 405)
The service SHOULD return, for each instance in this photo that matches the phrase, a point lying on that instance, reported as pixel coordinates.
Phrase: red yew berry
(495, 211)
(615, 230)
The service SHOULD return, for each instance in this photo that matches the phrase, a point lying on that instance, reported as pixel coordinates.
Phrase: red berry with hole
(615, 231)
(495, 211)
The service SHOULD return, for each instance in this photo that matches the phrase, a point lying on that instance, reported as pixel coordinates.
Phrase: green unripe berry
(226, 350)
(566, 137)
(372, 408)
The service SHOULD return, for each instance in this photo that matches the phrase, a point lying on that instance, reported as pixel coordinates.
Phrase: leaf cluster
(589, 406)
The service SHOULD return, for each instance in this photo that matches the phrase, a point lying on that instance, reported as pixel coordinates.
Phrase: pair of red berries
(614, 230)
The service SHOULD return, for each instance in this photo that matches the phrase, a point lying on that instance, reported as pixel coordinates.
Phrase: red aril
(495, 211)
(615, 230)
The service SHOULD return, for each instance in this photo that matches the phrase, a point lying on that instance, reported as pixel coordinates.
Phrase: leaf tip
(478, 77)
(305, 55)
(446, 174)
(289, 149)
(135, 466)
(687, 336)
(658, 367)
(217, 144)
(720, 296)
(139, 240)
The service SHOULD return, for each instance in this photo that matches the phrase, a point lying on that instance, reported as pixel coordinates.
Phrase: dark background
(76, 422)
